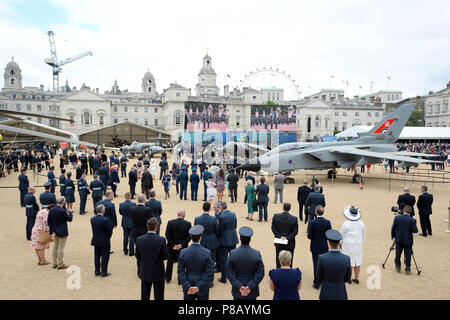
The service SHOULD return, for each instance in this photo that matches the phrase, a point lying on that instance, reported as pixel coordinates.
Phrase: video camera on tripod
(397, 210)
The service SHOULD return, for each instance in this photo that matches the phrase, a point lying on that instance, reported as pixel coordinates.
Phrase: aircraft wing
(45, 135)
(413, 154)
(377, 155)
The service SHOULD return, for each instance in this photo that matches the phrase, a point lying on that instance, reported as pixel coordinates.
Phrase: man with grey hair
(177, 235)
(406, 199)
(139, 214)
(101, 241)
(57, 222)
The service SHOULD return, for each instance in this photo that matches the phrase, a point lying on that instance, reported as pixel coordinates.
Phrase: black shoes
(97, 273)
(222, 280)
(104, 275)
(355, 281)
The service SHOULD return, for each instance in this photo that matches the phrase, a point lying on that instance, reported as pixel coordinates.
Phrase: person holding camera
(402, 231)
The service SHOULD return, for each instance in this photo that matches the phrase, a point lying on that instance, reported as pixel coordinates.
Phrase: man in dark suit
(151, 251)
(406, 199)
(127, 225)
(233, 179)
(245, 268)
(110, 209)
(195, 268)
(146, 183)
(23, 186)
(57, 222)
(312, 201)
(132, 181)
(227, 237)
(183, 178)
(156, 207)
(262, 190)
(139, 214)
(333, 269)
(114, 179)
(31, 210)
(210, 231)
(302, 194)
(104, 176)
(101, 241)
(402, 231)
(316, 233)
(177, 235)
(424, 204)
(285, 226)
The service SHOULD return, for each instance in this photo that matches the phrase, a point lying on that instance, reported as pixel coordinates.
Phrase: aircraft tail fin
(392, 124)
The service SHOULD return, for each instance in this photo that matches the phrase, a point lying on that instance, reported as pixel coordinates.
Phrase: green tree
(415, 120)
(271, 103)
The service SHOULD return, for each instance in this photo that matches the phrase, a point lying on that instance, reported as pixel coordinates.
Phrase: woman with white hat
(353, 236)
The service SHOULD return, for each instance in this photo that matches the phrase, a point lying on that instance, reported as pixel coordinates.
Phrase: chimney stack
(41, 87)
(226, 91)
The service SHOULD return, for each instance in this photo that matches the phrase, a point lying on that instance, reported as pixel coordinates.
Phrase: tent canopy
(127, 131)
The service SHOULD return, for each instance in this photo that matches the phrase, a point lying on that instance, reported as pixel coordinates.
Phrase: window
(100, 120)
(136, 120)
(39, 120)
(115, 109)
(146, 109)
(72, 119)
(149, 89)
(336, 126)
(125, 120)
(39, 107)
(344, 126)
(86, 118)
(317, 121)
(12, 72)
(178, 118)
(438, 107)
(430, 108)
(326, 124)
(238, 122)
(254, 97)
(336, 113)
(156, 110)
(178, 94)
(136, 109)
(344, 113)
(156, 122)
(18, 107)
(369, 114)
(356, 114)
(377, 114)
(28, 107)
(12, 82)
(445, 107)
(125, 109)
(116, 120)
(146, 122)
(54, 123)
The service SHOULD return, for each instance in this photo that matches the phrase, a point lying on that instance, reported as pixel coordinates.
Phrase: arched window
(12, 81)
(101, 120)
(12, 72)
(317, 122)
(149, 89)
(86, 118)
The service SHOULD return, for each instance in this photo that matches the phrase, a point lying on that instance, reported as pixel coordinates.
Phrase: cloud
(359, 41)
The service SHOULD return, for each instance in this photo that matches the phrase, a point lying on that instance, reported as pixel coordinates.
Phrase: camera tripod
(393, 248)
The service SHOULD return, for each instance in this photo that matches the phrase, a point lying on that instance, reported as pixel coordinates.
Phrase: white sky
(355, 40)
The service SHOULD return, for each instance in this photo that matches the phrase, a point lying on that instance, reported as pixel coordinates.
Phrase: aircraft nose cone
(250, 166)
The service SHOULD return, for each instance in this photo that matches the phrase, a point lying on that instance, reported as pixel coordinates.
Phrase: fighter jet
(241, 148)
(138, 147)
(369, 148)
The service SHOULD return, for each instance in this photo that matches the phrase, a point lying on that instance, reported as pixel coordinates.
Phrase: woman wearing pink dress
(40, 225)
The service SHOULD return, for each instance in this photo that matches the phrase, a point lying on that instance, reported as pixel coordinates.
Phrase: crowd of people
(336, 256)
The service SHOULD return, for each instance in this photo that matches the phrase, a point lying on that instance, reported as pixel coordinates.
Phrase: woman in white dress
(353, 236)
(153, 168)
(211, 191)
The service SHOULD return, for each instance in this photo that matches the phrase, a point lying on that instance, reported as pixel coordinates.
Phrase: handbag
(255, 205)
(45, 237)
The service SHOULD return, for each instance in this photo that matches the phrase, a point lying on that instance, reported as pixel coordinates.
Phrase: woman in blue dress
(285, 282)
(166, 182)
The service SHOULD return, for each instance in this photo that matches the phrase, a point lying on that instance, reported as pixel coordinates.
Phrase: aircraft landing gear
(331, 174)
(357, 178)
